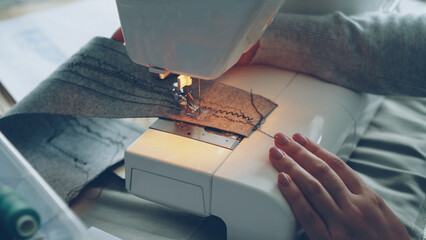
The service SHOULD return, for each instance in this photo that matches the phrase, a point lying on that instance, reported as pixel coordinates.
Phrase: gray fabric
(391, 159)
(101, 81)
(69, 151)
(376, 53)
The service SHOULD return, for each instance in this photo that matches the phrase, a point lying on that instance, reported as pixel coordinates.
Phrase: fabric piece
(391, 159)
(101, 81)
(69, 151)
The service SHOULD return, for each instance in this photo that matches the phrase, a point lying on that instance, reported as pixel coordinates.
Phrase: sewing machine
(203, 172)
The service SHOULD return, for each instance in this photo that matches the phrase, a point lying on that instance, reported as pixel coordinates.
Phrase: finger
(314, 192)
(302, 210)
(316, 167)
(352, 181)
(118, 36)
(248, 56)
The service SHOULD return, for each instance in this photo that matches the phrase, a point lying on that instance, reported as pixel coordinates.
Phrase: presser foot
(186, 102)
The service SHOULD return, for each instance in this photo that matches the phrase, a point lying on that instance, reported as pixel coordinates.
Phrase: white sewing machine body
(239, 185)
(198, 38)
(203, 39)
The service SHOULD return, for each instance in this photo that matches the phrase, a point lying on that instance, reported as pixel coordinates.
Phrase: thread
(262, 118)
(17, 218)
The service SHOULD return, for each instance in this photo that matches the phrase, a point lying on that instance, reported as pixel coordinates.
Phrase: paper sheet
(34, 45)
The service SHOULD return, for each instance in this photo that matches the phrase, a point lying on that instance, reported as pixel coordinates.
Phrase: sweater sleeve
(376, 53)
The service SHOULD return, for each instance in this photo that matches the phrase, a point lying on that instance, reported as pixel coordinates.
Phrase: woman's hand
(248, 56)
(327, 197)
(118, 36)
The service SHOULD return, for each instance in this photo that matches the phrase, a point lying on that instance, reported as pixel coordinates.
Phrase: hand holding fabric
(327, 197)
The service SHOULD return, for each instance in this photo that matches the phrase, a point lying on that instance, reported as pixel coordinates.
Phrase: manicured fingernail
(300, 139)
(276, 153)
(283, 179)
(281, 139)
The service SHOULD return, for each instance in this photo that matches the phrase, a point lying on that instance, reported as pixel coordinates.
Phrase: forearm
(382, 54)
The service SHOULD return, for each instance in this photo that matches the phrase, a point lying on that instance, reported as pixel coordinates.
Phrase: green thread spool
(17, 218)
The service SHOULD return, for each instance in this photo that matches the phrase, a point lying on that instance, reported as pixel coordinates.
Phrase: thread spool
(17, 218)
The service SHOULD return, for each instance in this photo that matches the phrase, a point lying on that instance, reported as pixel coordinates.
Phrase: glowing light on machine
(163, 75)
(184, 81)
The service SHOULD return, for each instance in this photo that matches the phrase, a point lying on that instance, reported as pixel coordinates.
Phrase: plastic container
(58, 222)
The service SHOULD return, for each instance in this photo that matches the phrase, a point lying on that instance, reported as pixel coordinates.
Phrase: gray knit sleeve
(376, 53)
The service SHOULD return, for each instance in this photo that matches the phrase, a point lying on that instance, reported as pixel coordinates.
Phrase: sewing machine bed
(390, 157)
